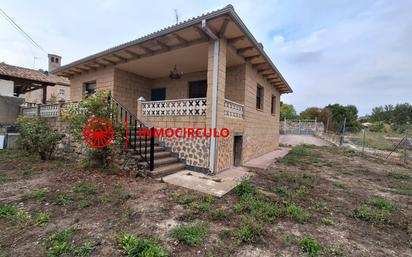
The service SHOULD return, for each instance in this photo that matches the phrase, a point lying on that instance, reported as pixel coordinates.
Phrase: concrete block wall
(104, 80)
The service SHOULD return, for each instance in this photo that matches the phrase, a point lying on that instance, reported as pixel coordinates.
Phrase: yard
(317, 201)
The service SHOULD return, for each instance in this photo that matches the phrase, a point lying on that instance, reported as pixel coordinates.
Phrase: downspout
(212, 151)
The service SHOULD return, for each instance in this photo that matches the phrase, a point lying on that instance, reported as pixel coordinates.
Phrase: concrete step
(165, 170)
(162, 154)
(165, 160)
(157, 148)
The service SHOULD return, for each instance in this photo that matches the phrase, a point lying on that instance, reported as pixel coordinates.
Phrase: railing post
(139, 111)
(38, 110)
(152, 138)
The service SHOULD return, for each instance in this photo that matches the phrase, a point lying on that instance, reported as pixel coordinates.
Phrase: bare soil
(324, 181)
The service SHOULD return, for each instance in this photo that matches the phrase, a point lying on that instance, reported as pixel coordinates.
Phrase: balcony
(187, 107)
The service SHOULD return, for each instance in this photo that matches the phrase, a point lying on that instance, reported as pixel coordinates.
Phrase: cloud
(349, 52)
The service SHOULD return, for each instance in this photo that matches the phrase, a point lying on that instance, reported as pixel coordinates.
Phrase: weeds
(182, 199)
(371, 215)
(219, 214)
(135, 247)
(8, 211)
(340, 185)
(63, 199)
(327, 221)
(38, 194)
(383, 204)
(297, 213)
(249, 231)
(60, 244)
(192, 234)
(400, 176)
(245, 187)
(41, 218)
(86, 188)
(310, 246)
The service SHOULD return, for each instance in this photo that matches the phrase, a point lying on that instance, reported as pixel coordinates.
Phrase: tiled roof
(12, 71)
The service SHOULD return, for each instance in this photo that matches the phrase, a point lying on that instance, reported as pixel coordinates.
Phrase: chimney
(54, 62)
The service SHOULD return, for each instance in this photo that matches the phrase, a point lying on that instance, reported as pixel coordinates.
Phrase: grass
(258, 207)
(38, 194)
(245, 187)
(63, 199)
(400, 176)
(132, 246)
(182, 199)
(203, 204)
(366, 213)
(8, 211)
(300, 155)
(60, 244)
(41, 218)
(296, 213)
(219, 214)
(340, 185)
(327, 221)
(86, 188)
(295, 181)
(383, 204)
(310, 246)
(249, 231)
(192, 234)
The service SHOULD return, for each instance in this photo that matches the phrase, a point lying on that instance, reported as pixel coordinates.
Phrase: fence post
(299, 128)
(38, 110)
(363, 142)
(316, 123)
(285, 126)
(405, 147)
(342, 137)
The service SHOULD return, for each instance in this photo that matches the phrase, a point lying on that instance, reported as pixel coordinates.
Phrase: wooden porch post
(44, 96)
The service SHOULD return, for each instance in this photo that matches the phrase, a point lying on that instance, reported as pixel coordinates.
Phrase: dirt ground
(294, 140)
(317, 201)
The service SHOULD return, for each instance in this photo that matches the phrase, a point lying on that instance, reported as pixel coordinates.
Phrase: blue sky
(348, 52)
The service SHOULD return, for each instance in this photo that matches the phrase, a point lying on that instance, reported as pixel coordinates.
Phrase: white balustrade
(178, 107)
(29, 111)
(233, 109)
(47, 110)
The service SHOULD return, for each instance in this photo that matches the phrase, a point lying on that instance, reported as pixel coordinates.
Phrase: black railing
(135, 134)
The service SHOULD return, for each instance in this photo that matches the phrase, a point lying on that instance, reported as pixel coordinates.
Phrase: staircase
(143, 155)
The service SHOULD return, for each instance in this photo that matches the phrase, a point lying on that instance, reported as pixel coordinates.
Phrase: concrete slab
(266, 160)
(217, 185)
(294, 140)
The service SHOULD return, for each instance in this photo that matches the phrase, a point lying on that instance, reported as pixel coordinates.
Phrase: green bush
(192, 234)
(36, 136)
(377, 126)
(134, 247)
(77, 115)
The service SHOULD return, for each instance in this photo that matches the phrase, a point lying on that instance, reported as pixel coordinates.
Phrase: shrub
(36, 136)
(310, 246)
(192, 234)
(377, 126)
(135, 247)
(78, 115)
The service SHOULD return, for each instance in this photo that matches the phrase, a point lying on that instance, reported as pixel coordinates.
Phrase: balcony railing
(47, 110)
(233, 109)
(178, 107)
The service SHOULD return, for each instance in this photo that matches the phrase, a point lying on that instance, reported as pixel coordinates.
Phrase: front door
(237, 150)
(158, 94)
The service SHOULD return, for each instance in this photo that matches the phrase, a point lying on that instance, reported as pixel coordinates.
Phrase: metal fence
(301, 127)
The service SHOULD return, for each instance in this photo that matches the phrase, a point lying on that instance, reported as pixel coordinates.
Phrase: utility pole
(176, 16)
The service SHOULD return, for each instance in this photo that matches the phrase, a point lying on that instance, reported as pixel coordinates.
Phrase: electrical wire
(18, 28)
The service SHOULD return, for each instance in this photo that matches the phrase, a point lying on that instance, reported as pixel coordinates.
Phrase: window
(57, 60)
(259, 97)
(197, 89)
(158, 94)
(61, 92)
(90, 88)
(273, 105)
(52, 59)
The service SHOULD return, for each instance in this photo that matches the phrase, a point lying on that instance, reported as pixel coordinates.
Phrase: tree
(310, 113)
(325, 116)
(287, 111)
(340, 113)
(399, 116)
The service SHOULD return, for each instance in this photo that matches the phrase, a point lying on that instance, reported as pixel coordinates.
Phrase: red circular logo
(98, 133)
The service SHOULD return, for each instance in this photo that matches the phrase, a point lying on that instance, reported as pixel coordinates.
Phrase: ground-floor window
(158, 94)
(89, 88)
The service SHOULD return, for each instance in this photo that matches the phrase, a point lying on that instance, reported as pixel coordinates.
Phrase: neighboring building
(207, 72)
(35, 86)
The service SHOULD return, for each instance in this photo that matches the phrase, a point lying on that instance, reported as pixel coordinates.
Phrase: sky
(347, 52)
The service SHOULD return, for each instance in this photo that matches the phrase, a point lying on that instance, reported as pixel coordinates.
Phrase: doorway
(237, 150)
